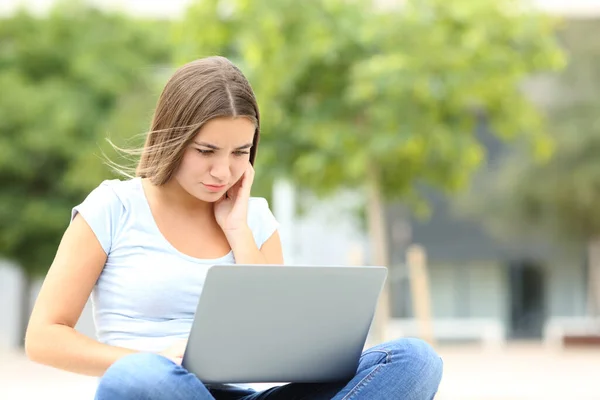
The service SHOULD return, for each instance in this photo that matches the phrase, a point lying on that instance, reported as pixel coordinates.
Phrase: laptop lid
(268, 323)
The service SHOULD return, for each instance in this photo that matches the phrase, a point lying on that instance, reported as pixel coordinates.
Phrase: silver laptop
(266, 323)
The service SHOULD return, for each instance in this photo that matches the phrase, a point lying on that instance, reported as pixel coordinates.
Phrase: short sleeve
(261, 220)
(102, 210)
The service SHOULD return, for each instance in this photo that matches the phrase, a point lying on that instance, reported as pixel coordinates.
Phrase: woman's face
(217, 158)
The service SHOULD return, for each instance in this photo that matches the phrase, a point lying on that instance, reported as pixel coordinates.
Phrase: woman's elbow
(34, 343)
(31, 347)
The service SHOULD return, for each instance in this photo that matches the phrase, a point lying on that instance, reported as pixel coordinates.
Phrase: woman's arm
(245, 250)
(51, 338)
(231, 213)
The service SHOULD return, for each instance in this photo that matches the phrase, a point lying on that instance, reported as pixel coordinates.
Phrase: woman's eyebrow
(212, 146)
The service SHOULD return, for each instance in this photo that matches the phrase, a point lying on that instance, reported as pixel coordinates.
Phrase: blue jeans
(406, 369)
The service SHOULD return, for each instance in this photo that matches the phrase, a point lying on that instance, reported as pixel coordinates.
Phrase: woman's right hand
(175, 351)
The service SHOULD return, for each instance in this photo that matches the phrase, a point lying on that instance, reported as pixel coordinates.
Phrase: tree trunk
(416, 260)
(594, 277)
(24, 308)
(379, 251)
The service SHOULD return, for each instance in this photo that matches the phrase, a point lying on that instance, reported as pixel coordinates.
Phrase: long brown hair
(197, 92)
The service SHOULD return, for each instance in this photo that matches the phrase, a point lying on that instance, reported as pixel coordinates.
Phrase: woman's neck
(173, 196)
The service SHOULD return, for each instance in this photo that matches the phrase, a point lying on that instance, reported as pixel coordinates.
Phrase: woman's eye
(240, 153)
(205, 152)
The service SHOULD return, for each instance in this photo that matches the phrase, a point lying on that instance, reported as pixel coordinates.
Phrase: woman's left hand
(231, 211)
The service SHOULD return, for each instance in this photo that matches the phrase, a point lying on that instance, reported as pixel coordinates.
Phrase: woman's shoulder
(118, 186)
(258, 202)
(112, 196)
(111, 191)
(261, 220)
(105, 208)
(258, 207)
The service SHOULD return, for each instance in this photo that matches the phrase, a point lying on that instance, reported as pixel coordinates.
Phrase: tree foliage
(559, 198)
(68, 80)
(347, 89)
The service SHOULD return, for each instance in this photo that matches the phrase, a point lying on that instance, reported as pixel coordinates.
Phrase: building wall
(566, 289)
(482, 290)
(473, 290)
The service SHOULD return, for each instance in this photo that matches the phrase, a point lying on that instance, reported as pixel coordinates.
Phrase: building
(519, 285)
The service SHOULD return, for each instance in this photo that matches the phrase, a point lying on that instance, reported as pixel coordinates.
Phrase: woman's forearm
(244, 247)
(62, 347)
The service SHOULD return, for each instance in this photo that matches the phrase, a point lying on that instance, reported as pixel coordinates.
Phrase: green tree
(556, 200)
(358, 97)
(68, 80)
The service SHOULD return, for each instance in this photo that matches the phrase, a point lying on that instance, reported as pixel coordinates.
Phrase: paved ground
(520, 372)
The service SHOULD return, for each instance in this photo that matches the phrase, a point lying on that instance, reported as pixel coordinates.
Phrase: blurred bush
(68, 80)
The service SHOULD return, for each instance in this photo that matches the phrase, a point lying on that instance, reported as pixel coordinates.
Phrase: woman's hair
(199, 91)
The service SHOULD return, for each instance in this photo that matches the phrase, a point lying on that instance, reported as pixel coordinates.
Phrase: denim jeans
(406, 369)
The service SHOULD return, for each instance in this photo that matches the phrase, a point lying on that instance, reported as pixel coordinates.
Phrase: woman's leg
(406, 369)
(149, 376)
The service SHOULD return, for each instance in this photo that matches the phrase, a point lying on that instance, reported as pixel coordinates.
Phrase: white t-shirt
(147, 293)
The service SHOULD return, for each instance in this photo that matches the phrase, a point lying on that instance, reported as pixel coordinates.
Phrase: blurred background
(456, 142)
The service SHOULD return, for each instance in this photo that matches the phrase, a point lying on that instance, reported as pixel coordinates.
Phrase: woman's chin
(210, 197)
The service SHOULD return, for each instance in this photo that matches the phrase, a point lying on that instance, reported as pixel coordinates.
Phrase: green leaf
(72, 77)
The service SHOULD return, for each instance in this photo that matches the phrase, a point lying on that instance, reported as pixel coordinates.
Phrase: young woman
(141, 248)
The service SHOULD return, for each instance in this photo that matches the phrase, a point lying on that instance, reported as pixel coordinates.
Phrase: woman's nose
(221, 171)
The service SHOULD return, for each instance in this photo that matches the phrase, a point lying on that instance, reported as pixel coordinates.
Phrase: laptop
(270, 323)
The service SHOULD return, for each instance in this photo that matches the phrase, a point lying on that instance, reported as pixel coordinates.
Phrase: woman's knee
(139, 375)
(419, 357)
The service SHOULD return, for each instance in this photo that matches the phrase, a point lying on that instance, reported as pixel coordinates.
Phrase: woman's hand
(231, 211)
(175, 351)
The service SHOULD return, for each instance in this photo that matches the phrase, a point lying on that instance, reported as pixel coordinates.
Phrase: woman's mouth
(214, 188)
